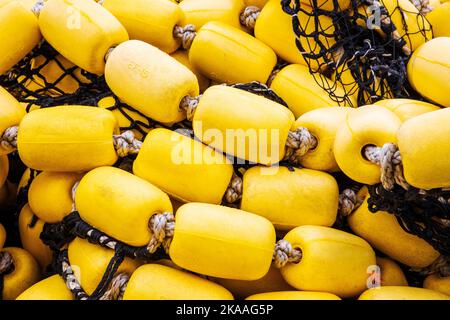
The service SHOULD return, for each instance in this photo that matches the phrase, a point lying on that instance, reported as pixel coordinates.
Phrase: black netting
(356, 64)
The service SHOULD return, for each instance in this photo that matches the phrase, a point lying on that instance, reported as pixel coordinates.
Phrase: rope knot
(6, 263)
(117, 287)
(8, 140)
(347, 202)
(186, 34)
(125, 143)
(284, 253)
(189, 104)
(162, 226)
(390, 161)
(234, 190)
(298, 143)
(249, 15)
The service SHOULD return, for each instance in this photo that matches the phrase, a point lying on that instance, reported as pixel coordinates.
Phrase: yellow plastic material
(89, 262)
(11, 112)
(53, 72)
(328, 4)
(383, 232)
(158, 282)
(290, 198)
(227, 54)
(407, 108)
(323, 124)
(150, 80)
(402, 293)
(29, 236)
(332, 261)
(4, 168)
(429, 70)
(257, 3)
(200, 12)
(122, 120)
(25, 179)
(120, 204)
(184, 168)
(2, 236)
(438, 18)
(183, 57)
(51, 288)
(274, 28)
(367, 125)
(414, 29)
(151, 21)
(82, 31)
(297, 87)
(228, 243)
(243, 124)
(50, 195)
(424, 146)
(26, 273)
(391, 273)
(294, 295)
(437, 283)
(67, 138)
(19, 33)
(272, 281)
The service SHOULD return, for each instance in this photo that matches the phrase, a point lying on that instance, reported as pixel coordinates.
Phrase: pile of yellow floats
(262, 233)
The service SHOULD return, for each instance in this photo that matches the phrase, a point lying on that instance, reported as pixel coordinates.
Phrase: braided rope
(186, 34)
(234, 190)
(116, 288)
(347, 202)
(162, 226)
(298, 143)
(284, 253)
(389, 159)
(8, 140)
(189, 104)
(126, 144)
(249, 16)
(37, 7)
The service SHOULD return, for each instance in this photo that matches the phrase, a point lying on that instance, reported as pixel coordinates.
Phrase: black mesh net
(357, 50)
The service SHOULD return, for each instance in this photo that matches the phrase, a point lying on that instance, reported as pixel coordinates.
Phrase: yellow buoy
(274, 28)
(200, 12)
(120, 204)
(30, 228)
(323, 124)
(82, 31)
(242, 124)
(90, 261)
(424, 146)
(272, 281)
(437, 283)
(227, 54)
(228, 243)
(186, 169)
(19, 33)
(294, 295)
(290, 198)
(391, 273)
(67, 138)
(407, 108)
(150, 80)
(402, 293)
(367, 125)
(438, 19)
(50, 195)
(183, 57)
(158, 282)
(383, 232)
(11, 113)
(24, 274)
(51, 288)
(332, 261)
(151, 21)
(429, 70)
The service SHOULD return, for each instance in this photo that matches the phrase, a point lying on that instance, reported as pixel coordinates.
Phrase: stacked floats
(216, 252)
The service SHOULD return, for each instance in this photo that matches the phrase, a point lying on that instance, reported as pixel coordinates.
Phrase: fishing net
(357, 50)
